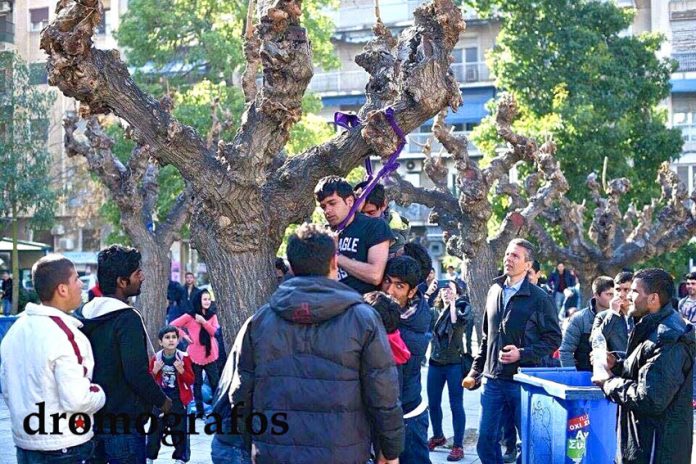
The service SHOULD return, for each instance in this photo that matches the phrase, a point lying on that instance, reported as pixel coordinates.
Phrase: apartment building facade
(74, 233)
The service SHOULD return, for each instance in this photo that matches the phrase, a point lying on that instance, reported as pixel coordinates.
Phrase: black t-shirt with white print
(356, 240)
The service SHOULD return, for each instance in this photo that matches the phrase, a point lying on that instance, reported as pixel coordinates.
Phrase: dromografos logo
(255, 423)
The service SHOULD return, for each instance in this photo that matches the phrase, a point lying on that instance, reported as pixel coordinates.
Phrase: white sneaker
(179, 461)
(149, 461)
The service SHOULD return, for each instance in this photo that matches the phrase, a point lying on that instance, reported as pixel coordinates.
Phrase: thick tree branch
(426, 86)
(100, 80)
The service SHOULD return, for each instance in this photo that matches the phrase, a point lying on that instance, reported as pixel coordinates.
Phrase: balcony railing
(687, 61)
(339, 81)
(357, 14)
(6, 32)
(471, 72)
(417, 139)
(355, 81)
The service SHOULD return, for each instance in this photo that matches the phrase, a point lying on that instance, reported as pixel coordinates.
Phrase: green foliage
(577, 78)
(28, 188)
(206, 36)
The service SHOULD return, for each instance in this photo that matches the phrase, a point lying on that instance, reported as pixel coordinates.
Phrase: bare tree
(134, 188)
(465, 218)
(247, 192)
(613, 240)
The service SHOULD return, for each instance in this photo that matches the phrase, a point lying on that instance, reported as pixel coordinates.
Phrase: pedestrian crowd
(329, 369)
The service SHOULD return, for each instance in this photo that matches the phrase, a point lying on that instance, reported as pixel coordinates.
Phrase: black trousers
(211, 371)
(173, 427)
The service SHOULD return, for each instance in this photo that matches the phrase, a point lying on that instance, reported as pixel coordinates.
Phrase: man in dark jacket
(189, 292)
(615, 323)
(652, 386)
(401, 278)
(316, 363)
(575, 347)
(119, 341)
(520, 327)
(559, 280)
(6, 293)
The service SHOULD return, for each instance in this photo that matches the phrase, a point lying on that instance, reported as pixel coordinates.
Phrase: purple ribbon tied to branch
(349, 121)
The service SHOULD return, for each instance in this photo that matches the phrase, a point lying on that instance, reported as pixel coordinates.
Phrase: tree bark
(242, 281)
(152, 302)
(479, 272)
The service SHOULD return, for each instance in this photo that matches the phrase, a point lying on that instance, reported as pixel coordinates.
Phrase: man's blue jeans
(499, 397)
(416, 440)
(6, 307)
(74, 455)
(126, 448)
(437, 377)
(222, 453)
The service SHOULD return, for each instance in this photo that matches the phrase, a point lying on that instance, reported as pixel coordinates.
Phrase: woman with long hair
(201, 325)
(446, 357)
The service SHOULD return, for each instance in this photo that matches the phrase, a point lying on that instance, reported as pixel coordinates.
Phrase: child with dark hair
(173, 372)
(388, 310)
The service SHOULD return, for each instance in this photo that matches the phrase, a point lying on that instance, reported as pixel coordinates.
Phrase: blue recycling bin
(564, 418)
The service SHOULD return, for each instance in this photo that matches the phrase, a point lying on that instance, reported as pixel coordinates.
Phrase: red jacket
(184, 381)
(400, 351)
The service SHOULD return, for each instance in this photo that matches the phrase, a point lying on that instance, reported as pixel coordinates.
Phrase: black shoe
(510, 456)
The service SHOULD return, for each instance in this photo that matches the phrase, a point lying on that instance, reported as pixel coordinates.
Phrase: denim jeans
(6, 307)
(126, 448)
(416, 440)
(500, 399)
(509, 441)
(452, 375)
(222, 453)
(74, 455)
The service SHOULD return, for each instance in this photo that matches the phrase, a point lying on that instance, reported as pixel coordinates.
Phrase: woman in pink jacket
(201, 325)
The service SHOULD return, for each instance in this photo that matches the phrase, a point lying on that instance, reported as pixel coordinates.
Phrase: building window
(38, 18)
(38, 74)
(91, 239)
(686, 122)
(104, 26)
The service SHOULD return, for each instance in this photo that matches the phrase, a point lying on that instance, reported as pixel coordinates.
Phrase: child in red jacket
(173, 372)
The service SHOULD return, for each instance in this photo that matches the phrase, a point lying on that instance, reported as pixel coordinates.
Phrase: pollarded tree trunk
(242, 281)
(152, 302)
(479, 274)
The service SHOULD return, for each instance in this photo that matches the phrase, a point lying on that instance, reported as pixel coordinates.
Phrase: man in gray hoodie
(316, 369)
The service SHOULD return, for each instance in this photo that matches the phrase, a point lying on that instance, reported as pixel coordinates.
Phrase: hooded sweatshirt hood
(102, 306)
(309, 300)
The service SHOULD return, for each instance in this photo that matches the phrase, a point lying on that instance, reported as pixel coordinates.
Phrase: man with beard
(119, 341)
(652, 385)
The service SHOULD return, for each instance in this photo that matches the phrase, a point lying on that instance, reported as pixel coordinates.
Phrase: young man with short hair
(119, 340)
(614, 323)
(575, 347)
(47, 368)
(315, 361)
(687, 305)
(653, 385)
(363, 245)
(401, 278)
(520, 327)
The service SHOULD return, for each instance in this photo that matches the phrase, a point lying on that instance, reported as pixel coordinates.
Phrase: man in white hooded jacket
(46, 371)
